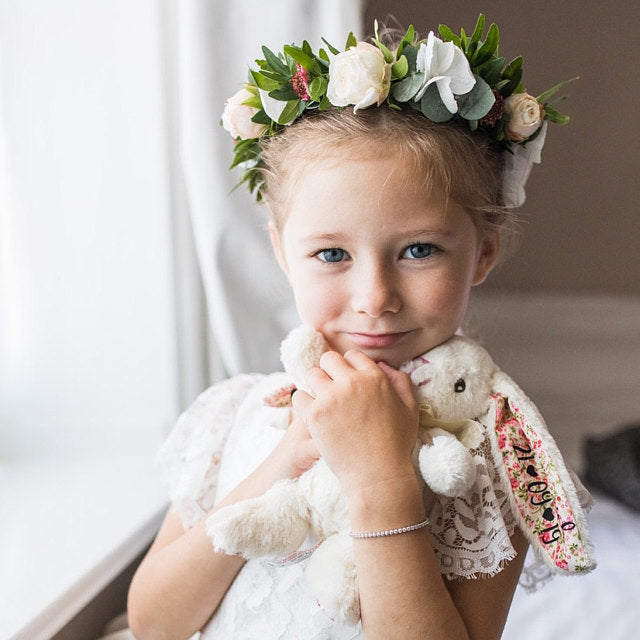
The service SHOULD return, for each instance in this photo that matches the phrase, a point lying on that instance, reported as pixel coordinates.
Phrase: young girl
(383, 216)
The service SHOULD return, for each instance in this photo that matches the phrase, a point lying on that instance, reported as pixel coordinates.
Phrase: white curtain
(214, 42)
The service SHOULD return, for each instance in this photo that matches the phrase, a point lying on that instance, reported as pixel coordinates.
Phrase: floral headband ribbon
(443, 78)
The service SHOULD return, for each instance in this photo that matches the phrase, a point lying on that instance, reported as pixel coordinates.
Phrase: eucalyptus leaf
(407, 88)
(411, 54)
(432, 107)
(478, 102)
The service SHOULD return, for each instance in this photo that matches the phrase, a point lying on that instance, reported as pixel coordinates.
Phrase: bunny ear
(543, 497)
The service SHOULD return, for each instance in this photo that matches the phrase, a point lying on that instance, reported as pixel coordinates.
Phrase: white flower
(359, 76)
(236, 117)
(525, 115)
(447, 66)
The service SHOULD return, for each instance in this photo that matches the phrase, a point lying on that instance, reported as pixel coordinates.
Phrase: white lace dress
(226, 433)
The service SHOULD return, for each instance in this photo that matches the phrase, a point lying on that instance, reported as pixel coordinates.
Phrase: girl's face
(375, 265)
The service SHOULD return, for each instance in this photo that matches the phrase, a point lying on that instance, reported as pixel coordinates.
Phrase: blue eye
(331, 255)
(419, 251)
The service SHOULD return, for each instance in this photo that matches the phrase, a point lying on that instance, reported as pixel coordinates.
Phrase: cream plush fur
(453, 386)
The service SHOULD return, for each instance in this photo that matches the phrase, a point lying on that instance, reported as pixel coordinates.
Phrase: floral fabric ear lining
(446, 77)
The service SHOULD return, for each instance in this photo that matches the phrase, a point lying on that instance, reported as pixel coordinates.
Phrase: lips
(376, 340)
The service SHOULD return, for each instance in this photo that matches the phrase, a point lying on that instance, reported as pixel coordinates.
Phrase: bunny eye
(460, 385)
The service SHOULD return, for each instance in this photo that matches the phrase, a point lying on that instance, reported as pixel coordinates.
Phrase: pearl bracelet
(390, 532)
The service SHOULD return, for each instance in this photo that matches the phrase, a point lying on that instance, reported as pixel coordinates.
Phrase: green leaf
(290, 112)
(463, 40)
(488, 49)
(448, 35)
(331, 47)
(409, 37)
(543, 97)
(479, 30)
(323, 55)
(555, 116)
(284, 94)
(432, 107)
(261, 117)
(324, 104)
(400, 68)
(388, 56)
(300, 56)
(411, 54)
(491, 71)
(407, 88)
(254, 101)
(351, 41)
(266, 84)
(478, 102)
(275, 62)
(318, 88)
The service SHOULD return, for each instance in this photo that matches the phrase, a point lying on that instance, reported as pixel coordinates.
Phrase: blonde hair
(447, 156)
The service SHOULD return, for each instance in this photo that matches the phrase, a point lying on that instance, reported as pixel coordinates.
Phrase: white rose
(236, 117)
(359, 76)
(525, 116)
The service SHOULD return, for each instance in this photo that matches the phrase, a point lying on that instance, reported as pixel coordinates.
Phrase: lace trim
(471, 534)
(189, 460)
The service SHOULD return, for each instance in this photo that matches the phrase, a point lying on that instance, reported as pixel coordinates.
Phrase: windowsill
(74, 514)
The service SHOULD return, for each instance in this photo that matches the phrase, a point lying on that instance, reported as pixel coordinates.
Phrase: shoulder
(190, 457)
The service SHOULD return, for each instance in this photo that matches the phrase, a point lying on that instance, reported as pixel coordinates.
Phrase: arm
(402, 593)
(181, 581)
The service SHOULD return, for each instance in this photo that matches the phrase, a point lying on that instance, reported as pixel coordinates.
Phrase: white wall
(87, 328)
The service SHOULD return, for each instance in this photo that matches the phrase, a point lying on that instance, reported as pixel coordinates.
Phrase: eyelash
(323, 254)
(432, 248)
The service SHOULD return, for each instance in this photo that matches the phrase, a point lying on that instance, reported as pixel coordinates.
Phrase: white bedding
(579, 360)
(602, 605)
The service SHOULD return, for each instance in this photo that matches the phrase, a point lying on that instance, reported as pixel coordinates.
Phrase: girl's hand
(293, 455)
(362, 416)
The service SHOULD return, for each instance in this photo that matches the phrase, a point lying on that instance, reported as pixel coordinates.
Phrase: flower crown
(443, 78)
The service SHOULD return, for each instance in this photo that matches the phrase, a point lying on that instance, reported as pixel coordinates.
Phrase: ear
(276, 243)
(487, 255)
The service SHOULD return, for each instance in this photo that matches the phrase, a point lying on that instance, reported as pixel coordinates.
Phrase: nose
(375, 291)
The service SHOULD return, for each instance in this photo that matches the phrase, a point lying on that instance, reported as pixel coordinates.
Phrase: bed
(579, 360)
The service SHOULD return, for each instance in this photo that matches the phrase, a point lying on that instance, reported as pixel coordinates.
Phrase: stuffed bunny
(459, 389)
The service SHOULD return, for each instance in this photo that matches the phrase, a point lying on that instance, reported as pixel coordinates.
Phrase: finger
(401, 382)
(300, 402)
(359, 360)
(332, 363)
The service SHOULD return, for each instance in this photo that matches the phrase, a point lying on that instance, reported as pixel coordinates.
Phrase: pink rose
(236, 117)
(525, 116)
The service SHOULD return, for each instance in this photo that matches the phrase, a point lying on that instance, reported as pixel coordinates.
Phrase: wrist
(387, 504)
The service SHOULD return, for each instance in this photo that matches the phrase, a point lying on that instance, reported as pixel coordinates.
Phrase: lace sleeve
(190, 457)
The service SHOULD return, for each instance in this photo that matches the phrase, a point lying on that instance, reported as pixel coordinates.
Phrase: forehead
(369, 195)
(350, 179)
